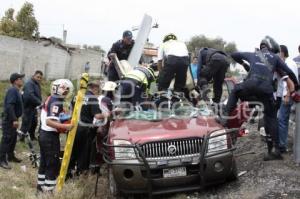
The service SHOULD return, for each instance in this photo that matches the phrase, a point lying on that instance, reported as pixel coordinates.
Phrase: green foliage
(199, 41)
(24, 25)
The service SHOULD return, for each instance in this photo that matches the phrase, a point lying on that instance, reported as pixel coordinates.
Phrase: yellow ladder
(71, 136)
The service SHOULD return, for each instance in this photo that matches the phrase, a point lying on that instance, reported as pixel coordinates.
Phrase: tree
(8, 25)
(24, 25)
(26, 21)
(199, 41)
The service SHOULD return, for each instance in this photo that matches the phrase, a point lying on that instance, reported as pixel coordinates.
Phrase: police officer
(135, 84)
(86, 130)
(31, 98)
(49, 142)
(122, 49)
(173, 61)
(13, 108)
(258, 85)
(212, 64)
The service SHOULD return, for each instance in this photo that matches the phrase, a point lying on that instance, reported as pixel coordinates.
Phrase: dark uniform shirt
(51, 110)
(122, 50)
(32, 93)
(90, 107)
(260, 69)
(13, 106)
(207, 54)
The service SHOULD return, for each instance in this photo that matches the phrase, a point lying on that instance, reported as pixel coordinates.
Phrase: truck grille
(172, 148)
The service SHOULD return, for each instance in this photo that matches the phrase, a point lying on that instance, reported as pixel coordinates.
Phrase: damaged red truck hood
(142, 131)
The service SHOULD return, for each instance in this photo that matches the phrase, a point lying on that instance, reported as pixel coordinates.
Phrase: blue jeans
(283, 123)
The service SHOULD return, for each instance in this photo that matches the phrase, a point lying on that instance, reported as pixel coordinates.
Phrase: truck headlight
(217, 141)
(123, 152)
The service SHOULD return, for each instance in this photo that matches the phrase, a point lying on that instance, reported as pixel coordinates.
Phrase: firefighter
(259, 85)
(106, 105)
(212, 65)
(173, 61)
(135, 85)
(122, 49)
(86, 131)
(12, 111)
(49, 135)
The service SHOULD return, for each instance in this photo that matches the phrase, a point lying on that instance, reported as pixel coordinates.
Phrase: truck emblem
(172, 149)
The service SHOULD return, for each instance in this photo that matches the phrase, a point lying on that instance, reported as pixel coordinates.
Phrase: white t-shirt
(282, 85)
(172, 47)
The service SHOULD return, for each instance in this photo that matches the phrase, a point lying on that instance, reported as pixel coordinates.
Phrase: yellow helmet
(169, 36)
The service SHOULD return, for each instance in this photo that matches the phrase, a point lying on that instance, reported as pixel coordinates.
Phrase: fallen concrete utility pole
(297, 135)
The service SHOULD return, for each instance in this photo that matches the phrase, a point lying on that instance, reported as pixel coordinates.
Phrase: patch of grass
(4, 85)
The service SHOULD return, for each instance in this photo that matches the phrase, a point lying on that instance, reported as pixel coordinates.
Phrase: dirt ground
(274, 179)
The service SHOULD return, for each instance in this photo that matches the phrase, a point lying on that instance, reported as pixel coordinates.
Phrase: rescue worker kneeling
(49, 135)
(135, 85)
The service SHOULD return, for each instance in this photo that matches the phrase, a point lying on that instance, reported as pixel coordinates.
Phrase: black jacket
(13, 106)
(262, 66)
(121, 49)
(32, 94)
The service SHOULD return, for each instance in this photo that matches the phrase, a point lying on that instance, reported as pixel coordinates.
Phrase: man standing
(285, 101)
(212, 64)
(32, 98)
(194, 68)
(297, 59)
(122, 49)
(86, 131)
(13, 109)
(173, 61)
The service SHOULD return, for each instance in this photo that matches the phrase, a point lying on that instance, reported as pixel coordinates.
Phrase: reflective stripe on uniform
(50, 182)
(41, 182)
(41, 176)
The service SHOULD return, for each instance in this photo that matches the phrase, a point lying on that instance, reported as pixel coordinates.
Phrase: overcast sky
(99, 22)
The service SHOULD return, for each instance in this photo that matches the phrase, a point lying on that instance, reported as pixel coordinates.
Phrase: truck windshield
(181, 112)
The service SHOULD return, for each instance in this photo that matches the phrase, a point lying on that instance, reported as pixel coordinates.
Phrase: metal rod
(297, 135)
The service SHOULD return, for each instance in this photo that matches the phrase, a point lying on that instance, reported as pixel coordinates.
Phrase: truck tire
(233, 175)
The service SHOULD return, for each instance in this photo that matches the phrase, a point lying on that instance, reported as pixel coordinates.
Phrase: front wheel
(233, 175)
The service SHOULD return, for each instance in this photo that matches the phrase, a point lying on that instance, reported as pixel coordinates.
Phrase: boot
(4, 164)
(276, 155)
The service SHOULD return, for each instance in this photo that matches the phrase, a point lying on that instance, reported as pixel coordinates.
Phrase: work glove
(295, 96)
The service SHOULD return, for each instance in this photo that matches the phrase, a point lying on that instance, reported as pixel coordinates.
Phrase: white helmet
(108, 86)
(61, 87)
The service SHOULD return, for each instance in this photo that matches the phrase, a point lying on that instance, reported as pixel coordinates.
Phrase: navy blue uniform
(13, 109)
(258, 86)
(212, 64)
(49, 144)
(85, 134)
(122, 50)
(32, 98)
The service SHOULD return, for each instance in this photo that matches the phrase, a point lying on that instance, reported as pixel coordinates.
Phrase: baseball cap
(15, 76)
(127, 33)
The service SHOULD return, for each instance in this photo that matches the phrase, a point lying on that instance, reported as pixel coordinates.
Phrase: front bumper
(146, 175)
(134, 179)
